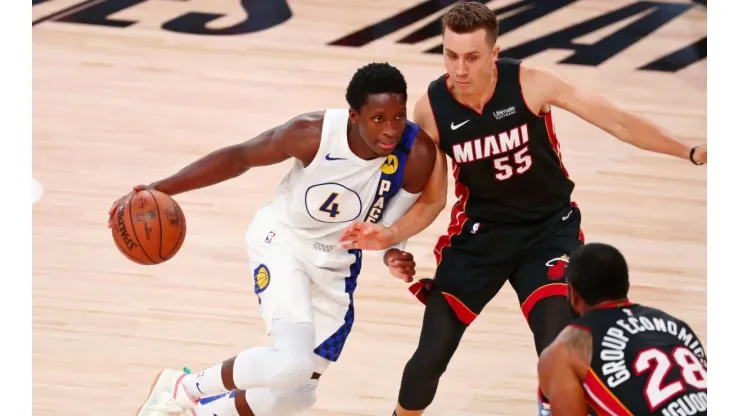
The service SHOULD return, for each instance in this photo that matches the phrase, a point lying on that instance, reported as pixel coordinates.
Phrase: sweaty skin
(562, 368)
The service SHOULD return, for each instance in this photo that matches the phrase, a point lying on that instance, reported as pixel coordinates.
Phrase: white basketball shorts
(290, 285)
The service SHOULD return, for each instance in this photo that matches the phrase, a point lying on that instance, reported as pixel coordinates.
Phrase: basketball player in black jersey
(620, 358)
(514, 219)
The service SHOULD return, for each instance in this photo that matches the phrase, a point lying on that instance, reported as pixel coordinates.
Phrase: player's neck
(478, 99)
(616, 303)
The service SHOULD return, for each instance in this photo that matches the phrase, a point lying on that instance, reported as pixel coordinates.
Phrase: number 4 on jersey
(329, 206)
(657, 391)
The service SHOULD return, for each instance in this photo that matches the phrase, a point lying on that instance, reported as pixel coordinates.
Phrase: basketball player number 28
(656, 391)
(503, 165)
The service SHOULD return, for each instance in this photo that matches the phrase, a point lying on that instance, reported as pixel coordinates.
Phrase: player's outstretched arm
(299, 138)
(434, 195)
(561, 370)
(292, 139)
(544, 86)
(424, 210)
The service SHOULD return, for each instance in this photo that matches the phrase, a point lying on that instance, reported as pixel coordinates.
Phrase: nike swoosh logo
(455, 127)
(328, 157)
(567, 216)
(197, 386)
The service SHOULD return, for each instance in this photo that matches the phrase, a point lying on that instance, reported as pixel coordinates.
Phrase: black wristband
(691, 156)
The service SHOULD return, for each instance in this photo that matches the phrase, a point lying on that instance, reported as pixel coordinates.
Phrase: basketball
(149, 227)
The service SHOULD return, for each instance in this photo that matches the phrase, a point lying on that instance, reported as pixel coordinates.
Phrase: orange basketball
(149, 227)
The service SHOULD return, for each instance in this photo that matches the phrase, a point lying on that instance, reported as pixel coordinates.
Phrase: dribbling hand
(366, 236)
(118, 202)
(700, 156)
(401, 264)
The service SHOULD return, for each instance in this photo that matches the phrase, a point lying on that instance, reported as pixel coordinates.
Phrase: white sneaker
(167, 396)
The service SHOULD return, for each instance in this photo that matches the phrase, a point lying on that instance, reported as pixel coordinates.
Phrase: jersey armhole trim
(524, 99)
(322, 144)
(438, 142)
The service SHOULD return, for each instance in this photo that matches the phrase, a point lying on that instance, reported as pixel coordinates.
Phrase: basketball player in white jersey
(363, 163)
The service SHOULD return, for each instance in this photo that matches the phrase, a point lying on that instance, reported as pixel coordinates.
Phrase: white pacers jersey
(300, 271)
(315, 203)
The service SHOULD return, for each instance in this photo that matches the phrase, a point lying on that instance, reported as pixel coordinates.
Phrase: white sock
(221, 405)
(206, 383)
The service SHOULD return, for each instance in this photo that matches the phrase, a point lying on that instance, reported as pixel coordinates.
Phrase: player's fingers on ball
(113, 207)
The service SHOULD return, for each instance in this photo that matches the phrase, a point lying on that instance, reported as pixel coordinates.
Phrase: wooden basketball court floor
(118, 106)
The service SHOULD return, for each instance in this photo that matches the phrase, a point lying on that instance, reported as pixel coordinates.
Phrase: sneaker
(167, 396)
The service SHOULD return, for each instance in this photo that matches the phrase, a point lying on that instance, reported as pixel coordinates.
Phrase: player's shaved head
(598, 272)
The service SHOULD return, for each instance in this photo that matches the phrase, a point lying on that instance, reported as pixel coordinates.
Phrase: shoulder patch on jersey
(261, 278)
(390, 166)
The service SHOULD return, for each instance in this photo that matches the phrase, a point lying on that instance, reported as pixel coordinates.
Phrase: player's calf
(546, 319)
(441, 333)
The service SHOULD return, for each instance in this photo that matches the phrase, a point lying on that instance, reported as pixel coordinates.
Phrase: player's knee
(292, 370)
(430, 362)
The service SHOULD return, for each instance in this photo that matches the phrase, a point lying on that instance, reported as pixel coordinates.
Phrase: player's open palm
(401, 264)
(366, 236)
(120, 200)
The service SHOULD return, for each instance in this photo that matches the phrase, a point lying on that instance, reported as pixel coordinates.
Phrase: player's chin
(384, 149)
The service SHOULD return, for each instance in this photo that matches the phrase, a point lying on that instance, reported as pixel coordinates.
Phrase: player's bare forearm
(297, 138)
(421, 215)
(216, 167)
(643, 133)
(546, 87)
(626, 126)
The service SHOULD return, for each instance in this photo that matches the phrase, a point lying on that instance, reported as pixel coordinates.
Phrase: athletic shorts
(290, 285)
(474, 263)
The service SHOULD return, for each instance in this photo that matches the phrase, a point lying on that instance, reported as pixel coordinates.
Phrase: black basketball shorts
(475, 260)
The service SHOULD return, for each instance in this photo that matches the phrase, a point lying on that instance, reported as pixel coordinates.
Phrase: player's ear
(495, 52)
(353, 116)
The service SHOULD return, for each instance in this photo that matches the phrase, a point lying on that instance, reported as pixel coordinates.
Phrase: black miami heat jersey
(644, 362)
(506, 160)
